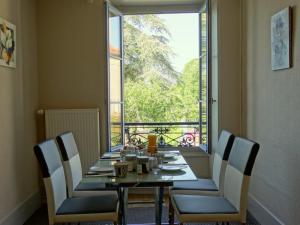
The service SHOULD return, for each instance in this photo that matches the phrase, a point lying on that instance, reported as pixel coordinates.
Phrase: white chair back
(53, 175)
(220, 158)
(238, 172)
(71, 158)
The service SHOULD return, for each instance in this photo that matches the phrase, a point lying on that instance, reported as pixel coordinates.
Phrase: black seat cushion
(200, 184)
(92, 186)
(193, 204)
(88, 205)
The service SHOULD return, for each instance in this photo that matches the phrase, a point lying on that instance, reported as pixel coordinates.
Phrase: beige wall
(18, 102)
(272, 112)
(229, 66)
(72, 55)
(226, 67)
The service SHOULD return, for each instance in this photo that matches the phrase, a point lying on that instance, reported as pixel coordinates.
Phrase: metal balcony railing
(179, 134)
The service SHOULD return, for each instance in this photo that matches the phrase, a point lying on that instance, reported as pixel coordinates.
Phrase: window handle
(211, 100)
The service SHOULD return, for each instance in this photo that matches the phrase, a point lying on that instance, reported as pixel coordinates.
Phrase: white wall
(18, 102)
(272, 115)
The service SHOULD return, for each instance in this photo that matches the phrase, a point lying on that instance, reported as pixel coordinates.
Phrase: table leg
(120, 216)
(125, 205)
(171, 212)
(159, 194)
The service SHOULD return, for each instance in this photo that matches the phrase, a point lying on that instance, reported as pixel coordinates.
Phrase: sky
(185, 37)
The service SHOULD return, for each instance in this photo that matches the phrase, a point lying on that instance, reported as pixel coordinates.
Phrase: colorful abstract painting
(7, 43)
(281, 39)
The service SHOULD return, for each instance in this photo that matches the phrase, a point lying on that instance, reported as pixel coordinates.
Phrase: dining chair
(213, 186)
(62, 209)
(233, 205)
(73, 170)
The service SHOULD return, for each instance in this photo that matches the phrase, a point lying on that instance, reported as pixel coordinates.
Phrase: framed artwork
(7, 43)
(281, 39)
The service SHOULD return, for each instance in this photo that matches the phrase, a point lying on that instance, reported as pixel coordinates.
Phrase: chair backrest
(53, 174)
(220, 158)
(238, 172)
(71, 158)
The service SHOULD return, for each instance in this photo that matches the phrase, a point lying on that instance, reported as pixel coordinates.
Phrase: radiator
(84, 123)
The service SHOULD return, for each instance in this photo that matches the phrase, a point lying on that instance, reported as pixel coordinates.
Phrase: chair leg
(171, 212)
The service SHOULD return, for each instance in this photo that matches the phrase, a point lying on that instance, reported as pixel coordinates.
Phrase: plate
(172, 167)
(110, 156)
(169, 155)
(101, 169)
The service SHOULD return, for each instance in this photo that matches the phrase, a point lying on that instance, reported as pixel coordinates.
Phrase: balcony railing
(182, 134)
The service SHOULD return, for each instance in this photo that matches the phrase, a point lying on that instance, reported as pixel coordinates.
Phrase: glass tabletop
(164, 177)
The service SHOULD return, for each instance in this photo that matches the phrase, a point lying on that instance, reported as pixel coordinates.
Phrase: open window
(129, 75)
(115, 102)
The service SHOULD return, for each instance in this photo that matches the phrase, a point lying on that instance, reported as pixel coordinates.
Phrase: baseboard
(23, 211)
(263, 215)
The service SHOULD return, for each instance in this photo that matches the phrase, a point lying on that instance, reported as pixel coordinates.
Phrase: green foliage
(158, 101)
(154, 91)
(147, 101)
(188, 88)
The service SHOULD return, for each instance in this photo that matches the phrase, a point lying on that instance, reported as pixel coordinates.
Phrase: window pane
(115, 80)
(114, 35)
(116, 124)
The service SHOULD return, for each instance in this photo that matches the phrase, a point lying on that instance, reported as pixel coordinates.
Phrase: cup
(131, 160)
(121, 169)
(152, 148)
(160, 157)
(155, 166)
(142, 164)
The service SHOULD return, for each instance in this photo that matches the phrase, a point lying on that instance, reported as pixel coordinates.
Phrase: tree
(154, 91)
(154, 101)
(147, 101)
(147, 52)
(188, 90)
(149, 74)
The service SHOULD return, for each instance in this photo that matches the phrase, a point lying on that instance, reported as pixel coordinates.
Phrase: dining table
(173, 169)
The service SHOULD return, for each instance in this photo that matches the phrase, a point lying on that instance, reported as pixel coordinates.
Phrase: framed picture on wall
(281, 39)
(7, 43)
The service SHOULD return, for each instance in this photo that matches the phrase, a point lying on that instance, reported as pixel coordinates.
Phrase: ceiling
(155, 2)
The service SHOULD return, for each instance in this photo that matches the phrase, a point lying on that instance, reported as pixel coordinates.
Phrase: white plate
(101, 169)
(172, 167)
(169, 155)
